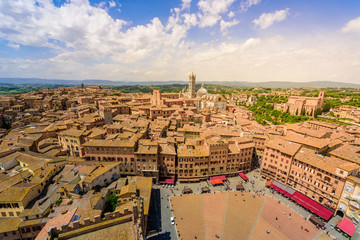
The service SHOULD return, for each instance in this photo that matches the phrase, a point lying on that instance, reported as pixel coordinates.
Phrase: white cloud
(185, 4)
(112, 4)
(225, 25)
(101, 4)
(77, 27)
(251, 43)
(268, 19)
(246, 4)
(352, 26)
(86, 42)
(210, 11)
(13, 45)
(231, 14)
(190, 20)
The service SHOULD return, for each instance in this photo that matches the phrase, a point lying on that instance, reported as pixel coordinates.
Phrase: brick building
(298, 105)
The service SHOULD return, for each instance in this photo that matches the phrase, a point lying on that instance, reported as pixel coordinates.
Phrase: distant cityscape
(89, 161)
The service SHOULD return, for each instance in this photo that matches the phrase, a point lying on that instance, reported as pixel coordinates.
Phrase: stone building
(200, 158)
(277, 159)
(298, 105)
(320, 178)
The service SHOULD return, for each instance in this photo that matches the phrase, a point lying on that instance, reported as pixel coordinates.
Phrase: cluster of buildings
(351, 113)
(70, 149)
(319, 160)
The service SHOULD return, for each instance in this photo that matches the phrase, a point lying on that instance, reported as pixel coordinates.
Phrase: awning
(303, 200)
(167, 181)
(287, 191)
(216, 181)
(268, 183)
(312, 206)
(346, 226)
(281, 190)
(243, 176)
(222, 177)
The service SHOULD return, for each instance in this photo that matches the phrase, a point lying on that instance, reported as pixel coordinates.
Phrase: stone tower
(192, 80)
(106, 113)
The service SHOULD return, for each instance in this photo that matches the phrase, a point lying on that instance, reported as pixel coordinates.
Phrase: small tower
(322, 98)
(106, 113)
(192, 80)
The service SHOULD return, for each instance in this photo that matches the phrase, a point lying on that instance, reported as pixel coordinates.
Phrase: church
(189, 97)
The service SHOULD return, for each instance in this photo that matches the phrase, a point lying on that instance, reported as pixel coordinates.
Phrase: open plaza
(258, 212)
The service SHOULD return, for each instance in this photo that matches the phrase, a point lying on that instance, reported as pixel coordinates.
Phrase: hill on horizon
(96, 82)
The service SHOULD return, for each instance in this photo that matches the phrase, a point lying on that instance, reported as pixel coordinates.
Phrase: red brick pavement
(196, 213)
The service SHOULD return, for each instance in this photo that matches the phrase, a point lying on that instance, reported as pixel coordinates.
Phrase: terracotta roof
(109, 143)
(17, 193)
(56, 222)
(354, 179)
(197, 151)
(167, 149)
(100, 171)
(283, 146)
(328, 164)
(328, 125)
(147, 149)
(307, 131)
(307, 140)
(130, 188)
(11, 181)
(347, 152)
(9, 224)
(71, 133)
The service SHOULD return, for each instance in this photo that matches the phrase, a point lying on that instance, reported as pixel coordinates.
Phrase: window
(349, 188)
(342, 206)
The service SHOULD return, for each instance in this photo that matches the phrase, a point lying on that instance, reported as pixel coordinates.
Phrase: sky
(164, 40)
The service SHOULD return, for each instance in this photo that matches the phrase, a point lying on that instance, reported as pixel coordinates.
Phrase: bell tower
(192, 81)
(322, 98)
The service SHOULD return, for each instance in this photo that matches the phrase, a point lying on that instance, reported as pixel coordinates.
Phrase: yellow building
(72, 140)
(13, 200)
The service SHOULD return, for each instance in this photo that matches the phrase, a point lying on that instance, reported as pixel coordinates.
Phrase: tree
(326, 107)
(311, 113)
(317, 112)
(303, 112)
(111, 203)
(297, 112)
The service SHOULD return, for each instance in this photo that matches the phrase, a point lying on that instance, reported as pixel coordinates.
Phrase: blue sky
(219, 40)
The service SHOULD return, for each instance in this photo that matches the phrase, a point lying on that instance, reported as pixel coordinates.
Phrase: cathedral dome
(202, 91)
